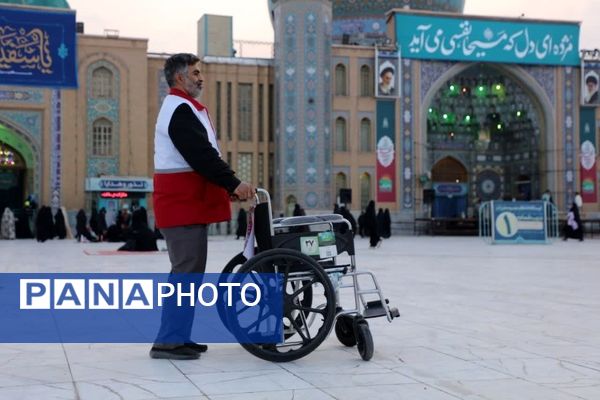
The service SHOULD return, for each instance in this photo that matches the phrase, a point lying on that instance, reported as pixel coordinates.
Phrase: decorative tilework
(105, 165)
(30, 96)
(55, 151)
(569, 105)
(28, 121)
(431, 71)
(302, 74)
(103, 108)
(545, 77)
(380, 7)
(289, 99)
(406, 132)
(311, 199)
(244, 167)
(311, 123)
(327, 100)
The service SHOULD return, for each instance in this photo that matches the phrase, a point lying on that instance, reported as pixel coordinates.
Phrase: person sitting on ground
(140, 237)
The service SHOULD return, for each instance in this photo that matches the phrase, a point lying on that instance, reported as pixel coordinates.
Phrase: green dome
(39, 3)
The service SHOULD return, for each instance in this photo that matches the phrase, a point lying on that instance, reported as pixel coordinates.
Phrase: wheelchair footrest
(375, 309)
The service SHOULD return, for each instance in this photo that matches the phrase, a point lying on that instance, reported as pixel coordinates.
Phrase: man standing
(192, 188)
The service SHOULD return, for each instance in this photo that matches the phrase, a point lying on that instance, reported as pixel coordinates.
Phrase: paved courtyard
(478, 322)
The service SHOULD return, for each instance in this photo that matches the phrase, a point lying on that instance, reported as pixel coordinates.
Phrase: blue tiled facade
(103, 108)
(569, 106)
(303, 28)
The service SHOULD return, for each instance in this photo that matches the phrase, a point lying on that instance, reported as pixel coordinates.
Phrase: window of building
(244, 167)
(245, 111)
(261, 172)
(366, 81)
(341, 182)
(341, 136)
(340, 80)
(219, 110)
(271, 169)
(365, 190)
(229, 111)
(261, 112)
(271, 113)
(102, 83)
(366, 141)
(102, 138)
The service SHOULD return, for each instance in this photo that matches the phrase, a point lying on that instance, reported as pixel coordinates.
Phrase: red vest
(181, 195)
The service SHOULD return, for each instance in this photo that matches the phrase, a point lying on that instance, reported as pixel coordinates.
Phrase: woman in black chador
(348, 215)
(573, 228)
(380, 223)
(44, 225)
(82, 228)
(371, 225)
(60, 225)
(242, 224)
(387, 224)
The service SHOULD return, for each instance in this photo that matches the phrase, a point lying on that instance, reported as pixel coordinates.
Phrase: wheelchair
(305, 250)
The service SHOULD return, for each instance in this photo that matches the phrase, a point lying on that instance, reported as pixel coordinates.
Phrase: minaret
(303, 140)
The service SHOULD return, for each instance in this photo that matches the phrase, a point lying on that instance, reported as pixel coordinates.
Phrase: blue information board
(519, 222)
(37, 48)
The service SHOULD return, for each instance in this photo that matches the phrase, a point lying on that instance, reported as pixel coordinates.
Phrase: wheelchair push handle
(262, 196)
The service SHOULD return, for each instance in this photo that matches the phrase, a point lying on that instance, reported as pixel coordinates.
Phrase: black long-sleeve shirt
(190, 138)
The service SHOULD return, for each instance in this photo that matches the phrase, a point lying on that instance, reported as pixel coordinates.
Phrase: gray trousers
(187, 247)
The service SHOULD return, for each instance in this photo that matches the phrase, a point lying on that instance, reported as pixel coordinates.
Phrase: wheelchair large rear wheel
(305, 282)
(234, 266)
(235, 263)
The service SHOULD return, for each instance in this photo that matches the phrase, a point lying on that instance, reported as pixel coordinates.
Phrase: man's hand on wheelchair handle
(244, 191)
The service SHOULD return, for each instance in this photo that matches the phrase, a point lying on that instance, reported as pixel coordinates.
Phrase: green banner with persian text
(467, 38)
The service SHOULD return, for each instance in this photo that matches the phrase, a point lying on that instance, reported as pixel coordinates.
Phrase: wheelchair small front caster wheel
(364, 340)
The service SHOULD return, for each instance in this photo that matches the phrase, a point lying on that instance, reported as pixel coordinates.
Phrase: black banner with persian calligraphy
(37, 48)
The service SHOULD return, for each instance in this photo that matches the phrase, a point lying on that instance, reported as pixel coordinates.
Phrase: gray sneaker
(177, 353)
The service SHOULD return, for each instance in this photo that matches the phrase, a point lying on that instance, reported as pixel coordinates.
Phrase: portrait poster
(387, 74)
(590, 80)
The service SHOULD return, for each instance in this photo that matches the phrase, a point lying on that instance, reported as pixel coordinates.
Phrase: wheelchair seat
(308, 219)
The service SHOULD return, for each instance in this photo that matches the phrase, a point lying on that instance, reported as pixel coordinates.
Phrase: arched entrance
(491, 119)
(290, 203)
(449, 179)
(365, 190)
(12, 178)
(28, 153)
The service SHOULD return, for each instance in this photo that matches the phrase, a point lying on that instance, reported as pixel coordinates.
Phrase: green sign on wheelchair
(322, 245)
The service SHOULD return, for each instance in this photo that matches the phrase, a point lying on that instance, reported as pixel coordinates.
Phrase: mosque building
(410, 103)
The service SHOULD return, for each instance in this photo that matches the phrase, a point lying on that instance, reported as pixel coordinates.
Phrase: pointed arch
(449, 169)
(28, 149)
(531, 87)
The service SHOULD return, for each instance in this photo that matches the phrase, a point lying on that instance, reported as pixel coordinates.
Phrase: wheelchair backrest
(262, 227)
